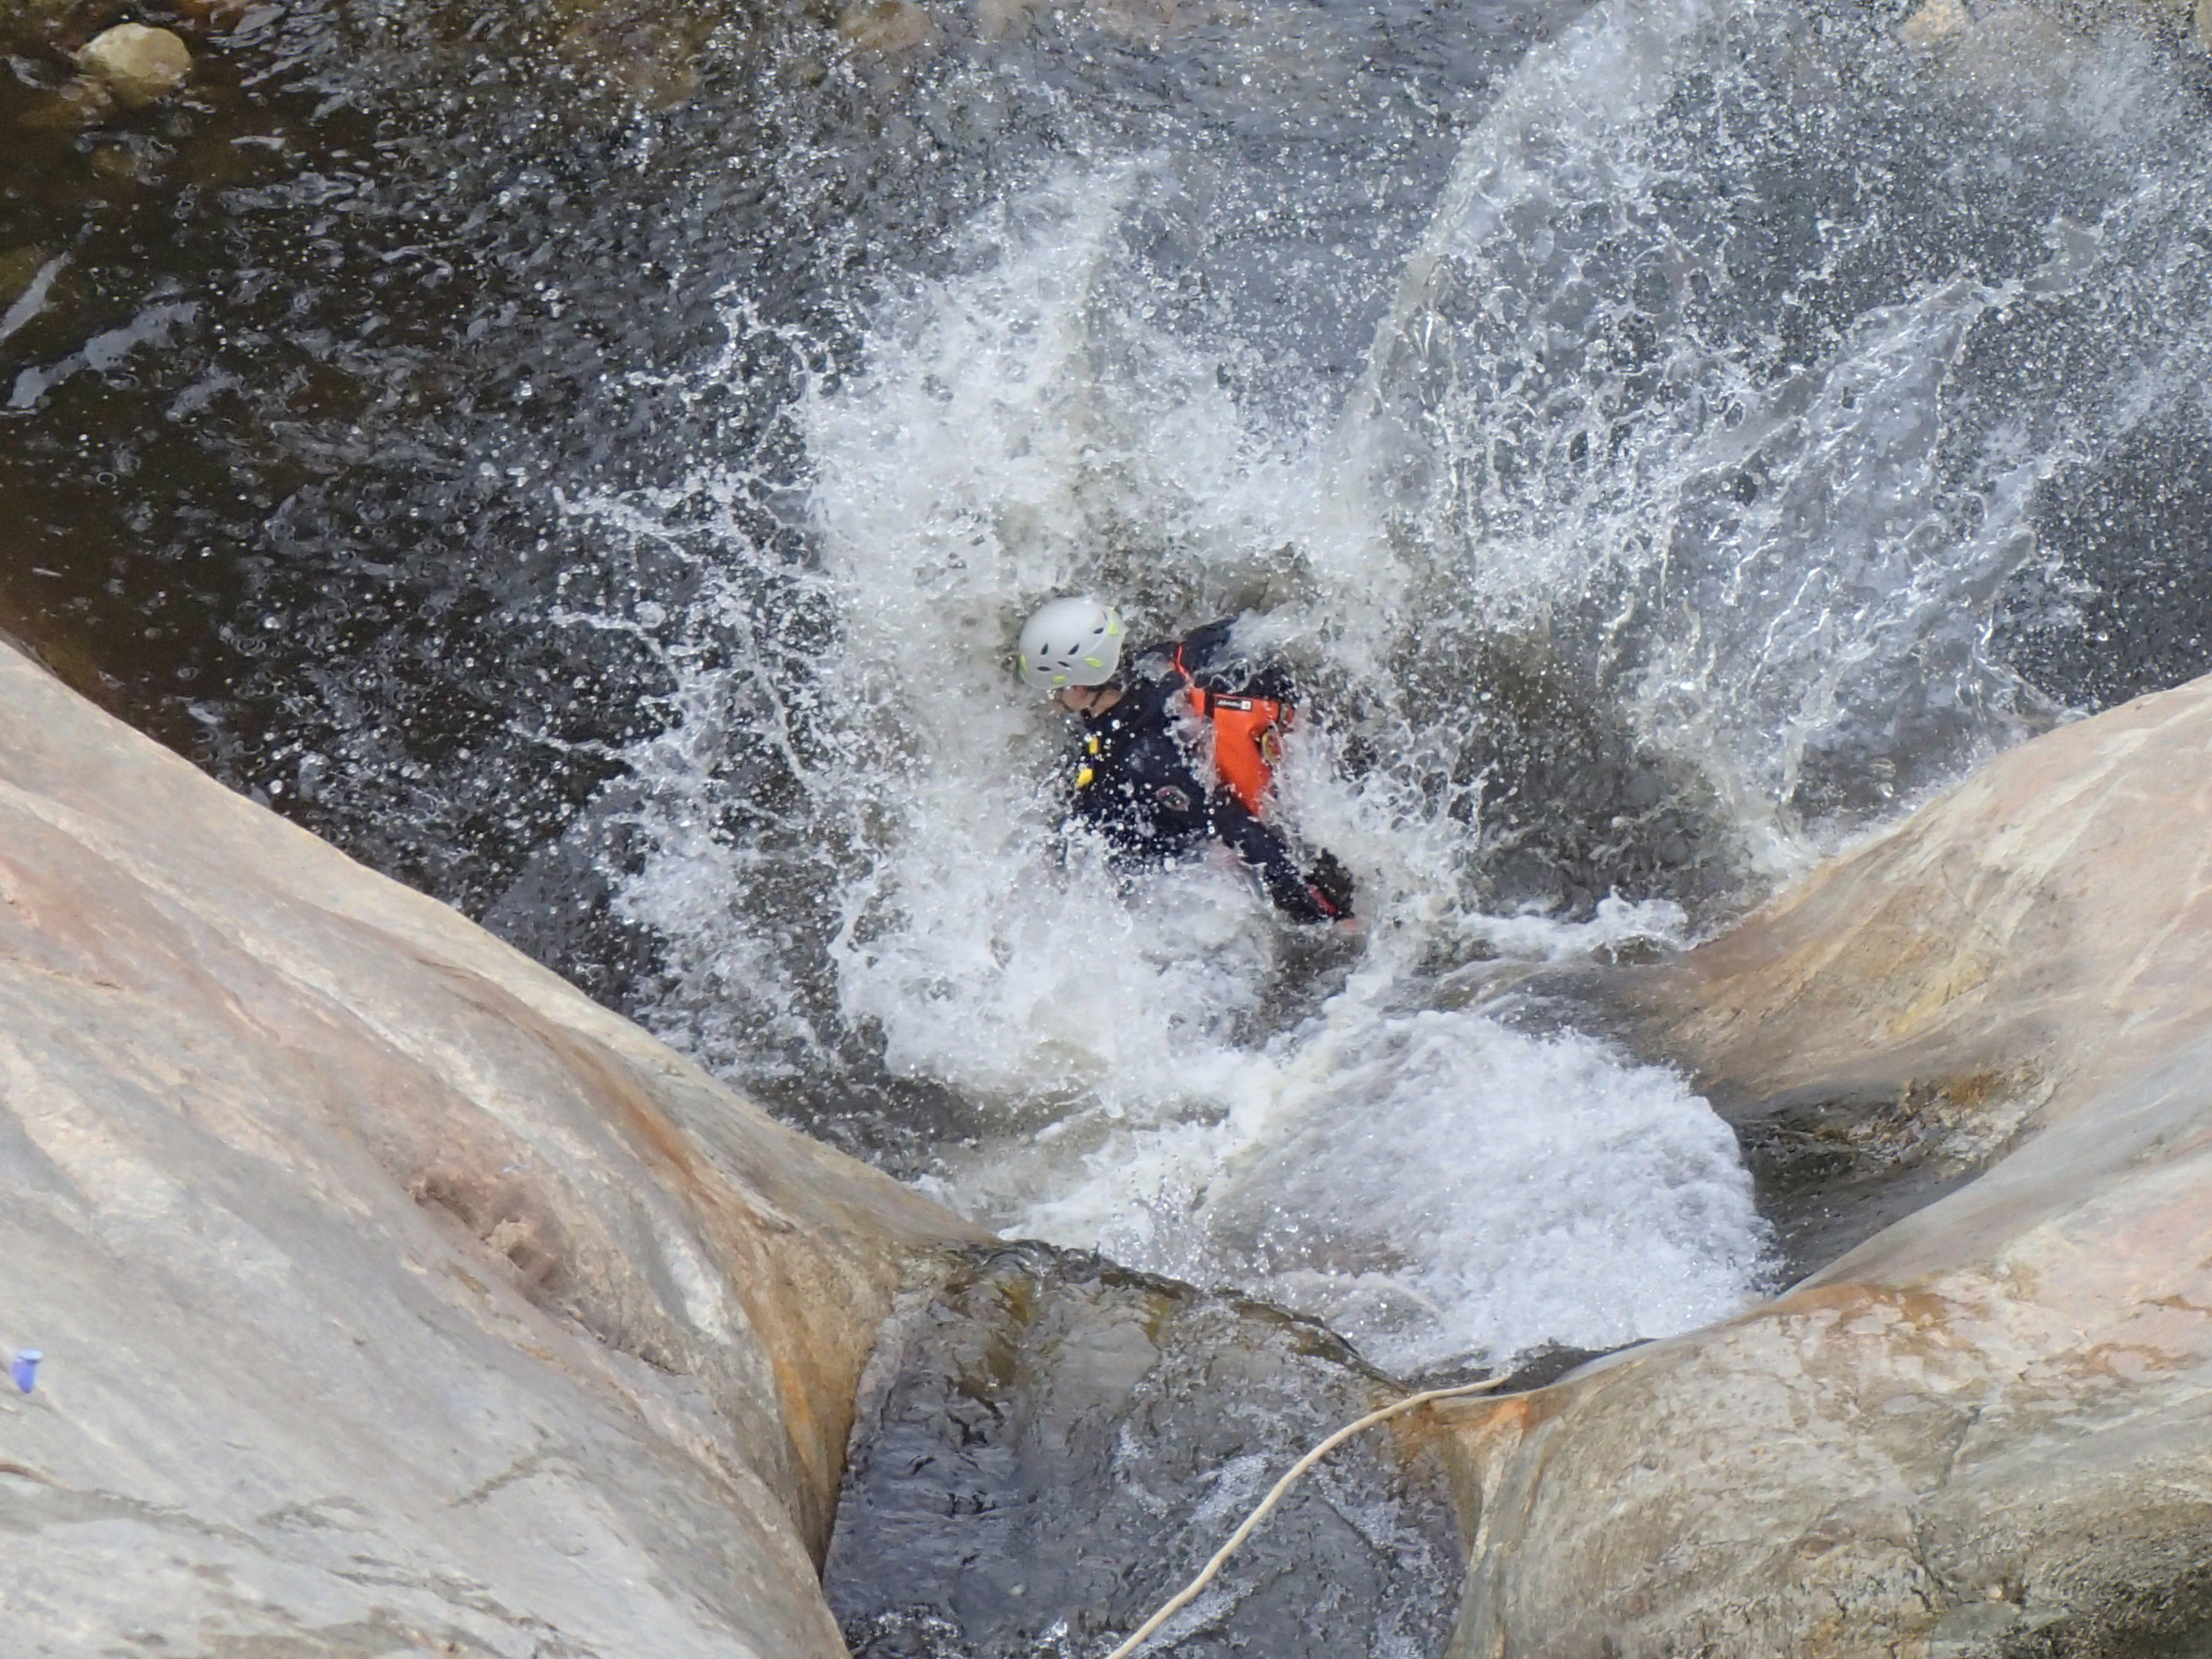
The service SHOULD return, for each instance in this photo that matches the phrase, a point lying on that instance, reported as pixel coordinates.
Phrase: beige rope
(1189, 1593)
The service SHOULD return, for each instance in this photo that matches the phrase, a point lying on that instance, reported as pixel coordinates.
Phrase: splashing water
(1659, 546)
(1164, 1072)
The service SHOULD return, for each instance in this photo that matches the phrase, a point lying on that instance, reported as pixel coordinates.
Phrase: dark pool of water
(323, 342)
(323, 346)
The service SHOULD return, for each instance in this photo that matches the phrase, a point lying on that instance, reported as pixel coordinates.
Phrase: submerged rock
(2007, 35)
(82, 102)
(1936, 21)
(392, 1297)
(19, 267)
(887, 27)
(1048, 1446)
(33, 22)
(1986, 1429)
(138, 65)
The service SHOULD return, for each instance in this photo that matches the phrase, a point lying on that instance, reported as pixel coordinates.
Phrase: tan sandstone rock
(394, 1296)
(1987, 1430)
(2051, 914)
(138, 65)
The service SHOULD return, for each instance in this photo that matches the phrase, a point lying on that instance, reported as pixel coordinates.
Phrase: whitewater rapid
(1165, 1073)
(1655, 549)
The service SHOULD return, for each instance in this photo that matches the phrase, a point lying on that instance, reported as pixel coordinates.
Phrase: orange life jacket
(1248, 736)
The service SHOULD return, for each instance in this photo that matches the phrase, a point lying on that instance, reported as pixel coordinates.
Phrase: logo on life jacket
(1247, 737)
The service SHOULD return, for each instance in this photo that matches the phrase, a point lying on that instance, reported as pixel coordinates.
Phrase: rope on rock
(1190, 1592)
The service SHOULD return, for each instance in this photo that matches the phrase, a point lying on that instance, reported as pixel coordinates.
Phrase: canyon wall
(392, 1295)
(1987, 1428)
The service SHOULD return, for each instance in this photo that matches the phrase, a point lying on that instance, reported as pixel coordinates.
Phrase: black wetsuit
(1137, 788)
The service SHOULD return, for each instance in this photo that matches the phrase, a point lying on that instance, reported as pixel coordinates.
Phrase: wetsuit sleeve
(1263, 849)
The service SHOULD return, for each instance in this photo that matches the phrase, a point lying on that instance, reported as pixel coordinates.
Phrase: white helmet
(1071, 642)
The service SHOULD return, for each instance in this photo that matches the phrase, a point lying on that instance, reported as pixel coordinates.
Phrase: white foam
(1432, 1183)
(1157, 1074)
(1009, 429)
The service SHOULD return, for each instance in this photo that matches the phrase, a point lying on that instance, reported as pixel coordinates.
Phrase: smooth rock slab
(2049, 919)
(1912, 1008)
(2001, 1445)
(392, 1294)
(1987, 1430)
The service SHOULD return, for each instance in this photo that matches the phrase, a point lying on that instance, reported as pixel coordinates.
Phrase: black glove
(1331, 883)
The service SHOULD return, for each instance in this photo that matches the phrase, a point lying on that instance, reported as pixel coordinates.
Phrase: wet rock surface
(1911, 1011)
(1048, 1446)
(138, 65)
(1983, 1441)
(1979, 1430)
(393, 1296)
(1834, 1167)
(2048, 920)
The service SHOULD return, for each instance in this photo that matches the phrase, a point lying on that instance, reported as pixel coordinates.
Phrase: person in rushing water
(1178, 749)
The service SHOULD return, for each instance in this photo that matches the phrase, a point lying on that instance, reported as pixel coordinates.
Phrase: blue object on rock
(24, 1368)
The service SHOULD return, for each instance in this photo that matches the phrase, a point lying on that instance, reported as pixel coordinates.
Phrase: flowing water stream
(1638, 521)
(594, 463)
